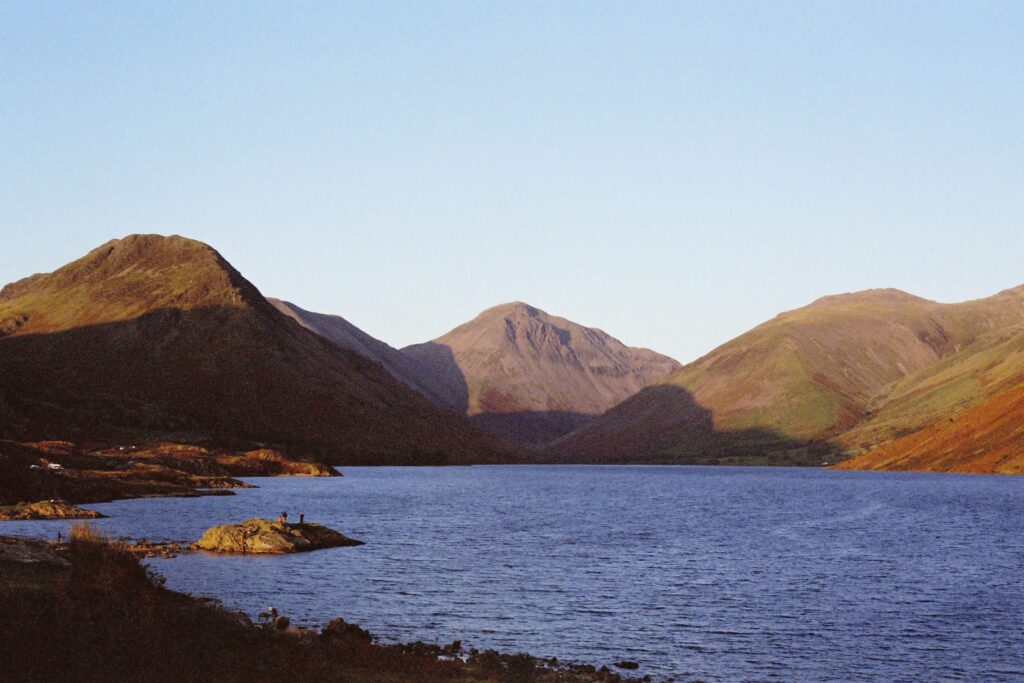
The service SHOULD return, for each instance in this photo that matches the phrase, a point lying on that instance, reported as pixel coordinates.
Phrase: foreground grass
(89, 611)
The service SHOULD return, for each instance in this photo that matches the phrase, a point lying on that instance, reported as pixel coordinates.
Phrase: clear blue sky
(672, 173)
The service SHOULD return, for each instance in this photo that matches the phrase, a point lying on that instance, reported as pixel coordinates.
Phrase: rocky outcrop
(263, 536)
(46, 509)
(62, 470)
(209, 461)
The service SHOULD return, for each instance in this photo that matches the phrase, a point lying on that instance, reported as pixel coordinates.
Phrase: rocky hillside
(528, 377)
(810, 383)
(155, 335)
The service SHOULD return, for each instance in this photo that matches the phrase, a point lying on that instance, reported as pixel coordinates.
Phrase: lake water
(714, 574)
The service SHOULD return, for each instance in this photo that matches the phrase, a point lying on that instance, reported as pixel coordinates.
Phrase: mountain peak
(527, 376)
(882, 296)
(147, 250)
(129, 277)
(514, 308)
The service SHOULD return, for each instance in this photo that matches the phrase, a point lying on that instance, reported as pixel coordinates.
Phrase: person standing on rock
(302, 518)
(283, 519)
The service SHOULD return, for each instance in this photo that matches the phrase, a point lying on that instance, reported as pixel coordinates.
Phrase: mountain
(992, 363)
(964, 414)
(792, 389)
(528, 377)
(406, 369)
(151, 334)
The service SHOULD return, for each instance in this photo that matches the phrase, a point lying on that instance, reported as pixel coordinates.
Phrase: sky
(673, 173)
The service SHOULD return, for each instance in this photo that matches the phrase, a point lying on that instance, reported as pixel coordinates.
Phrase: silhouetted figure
(283, 519)
(302, 518)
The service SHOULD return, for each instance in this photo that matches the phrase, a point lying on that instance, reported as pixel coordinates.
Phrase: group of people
(283, 519)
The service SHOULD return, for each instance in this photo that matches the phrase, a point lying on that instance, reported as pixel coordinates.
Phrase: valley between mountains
(152, 339)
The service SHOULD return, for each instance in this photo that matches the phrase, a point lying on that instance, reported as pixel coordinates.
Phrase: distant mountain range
(520, 374)
(160, 335)
(153, 335)
(838, 377)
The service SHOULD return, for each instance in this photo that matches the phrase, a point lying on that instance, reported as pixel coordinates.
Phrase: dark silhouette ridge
(681, 432)
(439, 389)
(228, 374)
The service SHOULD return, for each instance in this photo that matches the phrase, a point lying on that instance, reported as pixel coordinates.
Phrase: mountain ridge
(153, 333)
(342, 332)
(809, 376)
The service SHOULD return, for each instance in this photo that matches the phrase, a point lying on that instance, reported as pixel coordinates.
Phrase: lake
(697, 573)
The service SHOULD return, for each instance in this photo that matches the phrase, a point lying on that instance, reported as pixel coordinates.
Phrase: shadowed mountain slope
(806, 377)
(408, 370)
(528, 377)
(152, 334)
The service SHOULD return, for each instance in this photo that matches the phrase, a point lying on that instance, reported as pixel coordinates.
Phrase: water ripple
(715, 574)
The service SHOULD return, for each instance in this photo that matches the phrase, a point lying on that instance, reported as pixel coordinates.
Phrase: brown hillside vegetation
(152, 334)
(528, 377)
(988, 438)
(808, 376)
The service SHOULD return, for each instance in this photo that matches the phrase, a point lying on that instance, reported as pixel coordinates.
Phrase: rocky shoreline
(45, 509)
(56, 592)
(80, 473)
(87, 610)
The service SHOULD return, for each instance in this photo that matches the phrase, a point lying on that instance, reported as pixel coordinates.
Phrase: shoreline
(83, 607)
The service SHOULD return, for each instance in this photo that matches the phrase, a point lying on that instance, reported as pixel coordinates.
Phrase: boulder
(263, 536)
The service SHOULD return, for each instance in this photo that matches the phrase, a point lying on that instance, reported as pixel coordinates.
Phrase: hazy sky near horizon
(674, 173)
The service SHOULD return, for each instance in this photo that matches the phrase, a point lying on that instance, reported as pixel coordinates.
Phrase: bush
(522, 668)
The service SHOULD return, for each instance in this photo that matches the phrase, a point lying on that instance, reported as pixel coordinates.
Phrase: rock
(144, 548)
(627, 664)
(263, 536)
(341, 629)
(28, 552)
(46, 509)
